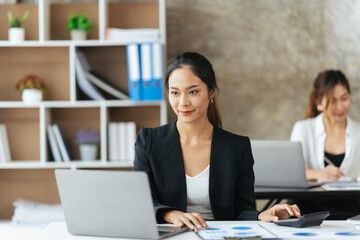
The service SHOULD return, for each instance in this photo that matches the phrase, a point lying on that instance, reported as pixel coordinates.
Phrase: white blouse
(198, 194)
(311, 133)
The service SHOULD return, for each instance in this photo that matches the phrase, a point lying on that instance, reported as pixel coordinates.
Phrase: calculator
(308, 220)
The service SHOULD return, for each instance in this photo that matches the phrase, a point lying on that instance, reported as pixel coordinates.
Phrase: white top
(198, 194)
(311, 133)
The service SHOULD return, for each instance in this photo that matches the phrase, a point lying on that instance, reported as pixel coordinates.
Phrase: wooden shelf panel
(67, 43)
(71, 120)
(59, 15)
(142, 116)
(133, 14)
(110, 63)
(69, 165)
(50, 63)
(81, 104)
(31, 25)
(23, 131)
(35, 185)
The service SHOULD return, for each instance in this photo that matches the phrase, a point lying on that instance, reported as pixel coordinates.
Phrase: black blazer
(231, 187)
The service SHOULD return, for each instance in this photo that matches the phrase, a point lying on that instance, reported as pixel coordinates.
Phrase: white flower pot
(88, 151)
(16, 34)
(78, 35)
(32, 96)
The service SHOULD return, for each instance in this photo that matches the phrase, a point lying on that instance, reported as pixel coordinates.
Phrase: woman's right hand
(329, 173)
(179, 219)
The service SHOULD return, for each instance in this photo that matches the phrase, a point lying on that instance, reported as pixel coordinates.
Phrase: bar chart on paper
(234, 230)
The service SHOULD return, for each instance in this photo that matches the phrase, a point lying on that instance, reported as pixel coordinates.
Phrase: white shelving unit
(50, 54)
(67, 97)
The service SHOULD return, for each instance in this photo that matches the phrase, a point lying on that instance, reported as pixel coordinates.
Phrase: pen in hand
(328, 161)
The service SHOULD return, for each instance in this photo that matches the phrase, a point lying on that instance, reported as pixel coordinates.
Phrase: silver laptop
(109, 204)
(279, 164)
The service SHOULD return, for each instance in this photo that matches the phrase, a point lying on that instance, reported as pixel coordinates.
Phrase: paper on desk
(28, 212)
(328, 230)
(234, 230)
(342, 185)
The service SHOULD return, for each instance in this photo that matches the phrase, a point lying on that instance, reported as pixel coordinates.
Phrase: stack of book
(5, 155)
(132, 35)
(57, 143)
(28, 212)
(122, 137)
(145, 71)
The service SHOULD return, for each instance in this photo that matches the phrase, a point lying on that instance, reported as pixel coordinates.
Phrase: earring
(212, 100)
(320, 108)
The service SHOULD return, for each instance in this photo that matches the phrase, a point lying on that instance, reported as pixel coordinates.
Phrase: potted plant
(16, 32)
(79, 26)
(32, 88)
(88, 141)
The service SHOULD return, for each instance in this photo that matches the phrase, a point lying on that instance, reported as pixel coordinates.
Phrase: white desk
(9, 231)
(58, 231)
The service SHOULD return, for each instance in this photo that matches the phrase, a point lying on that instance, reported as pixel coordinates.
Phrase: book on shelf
(122, 137)
(134, 75)
(96, 87)
(113, 141)
(132, 35)
(105, 86)
(157, 71)
(145, 71)
(5, 155)
(131, 139)
(81, 64)
(123, 154)
(61, 143)
(54, 147)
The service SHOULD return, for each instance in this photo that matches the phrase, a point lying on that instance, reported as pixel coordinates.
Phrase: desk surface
(300, 193)
(328, 230)
(10, 231)
(57, 231)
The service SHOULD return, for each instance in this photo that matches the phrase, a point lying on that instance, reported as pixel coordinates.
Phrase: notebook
(109, 204)
(279, 164)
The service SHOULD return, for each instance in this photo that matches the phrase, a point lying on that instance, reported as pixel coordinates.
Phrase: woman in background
(330, 141)
(197, 170)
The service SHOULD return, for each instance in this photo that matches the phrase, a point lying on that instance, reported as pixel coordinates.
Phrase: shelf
(48, 52)
(15, 63)
(127, 14)
(23, 132)
(60, 12)
(68, 43)
(70, 165)
(80, 104)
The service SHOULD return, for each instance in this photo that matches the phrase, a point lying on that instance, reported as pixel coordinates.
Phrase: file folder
(157, 71)
(134, 75)
(146, 71)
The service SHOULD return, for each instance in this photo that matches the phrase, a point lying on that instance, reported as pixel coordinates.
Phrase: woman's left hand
(279, 212)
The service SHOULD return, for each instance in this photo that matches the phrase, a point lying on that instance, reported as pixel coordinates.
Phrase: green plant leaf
(11, 19)
(80, 22)
(26, 15)
(17, 22)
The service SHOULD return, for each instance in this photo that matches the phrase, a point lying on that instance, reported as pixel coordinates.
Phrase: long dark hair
(323, 86)
(202, 68)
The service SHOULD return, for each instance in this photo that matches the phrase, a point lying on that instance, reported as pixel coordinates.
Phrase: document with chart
(327, 230)
(234, 230)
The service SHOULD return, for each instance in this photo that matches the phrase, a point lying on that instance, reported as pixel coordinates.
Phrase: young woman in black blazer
(192, 163)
